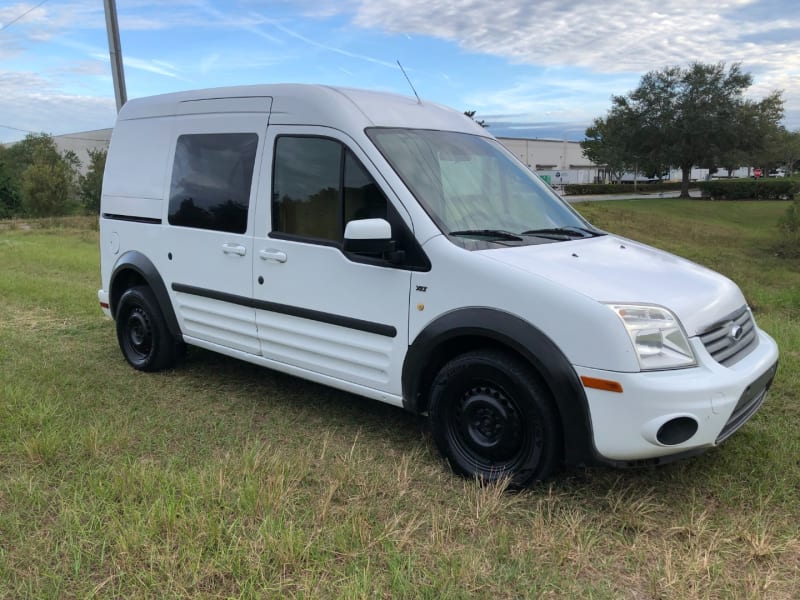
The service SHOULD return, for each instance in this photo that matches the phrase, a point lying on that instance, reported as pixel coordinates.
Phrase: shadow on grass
(257, 393)
(321, 406)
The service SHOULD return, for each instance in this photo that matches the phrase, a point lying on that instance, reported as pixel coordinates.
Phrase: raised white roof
(304, 104)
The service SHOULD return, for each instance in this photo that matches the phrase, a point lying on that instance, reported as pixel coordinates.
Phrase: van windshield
(474, 188)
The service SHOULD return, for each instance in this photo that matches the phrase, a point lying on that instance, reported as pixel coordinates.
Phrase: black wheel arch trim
(532, 345)
(143, 266)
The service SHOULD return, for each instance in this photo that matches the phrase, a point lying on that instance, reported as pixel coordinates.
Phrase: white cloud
(612, 44)
(37, 106)
(626, 36)
(605, 37)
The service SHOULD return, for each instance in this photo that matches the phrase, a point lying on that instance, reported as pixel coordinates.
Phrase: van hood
(613, 269)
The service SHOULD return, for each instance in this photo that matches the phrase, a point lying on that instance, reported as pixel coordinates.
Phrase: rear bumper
(102, 296)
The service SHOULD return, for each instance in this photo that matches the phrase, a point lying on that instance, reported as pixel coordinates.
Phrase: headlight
(657, 336)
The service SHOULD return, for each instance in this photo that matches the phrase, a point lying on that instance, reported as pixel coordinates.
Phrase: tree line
(697, 116)
(37, 180)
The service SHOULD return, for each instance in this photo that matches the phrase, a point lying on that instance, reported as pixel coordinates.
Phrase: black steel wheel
(142, 332)
(492, 418)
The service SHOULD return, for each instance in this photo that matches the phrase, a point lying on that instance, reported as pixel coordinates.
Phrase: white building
(559, 162)
(80, 143)
(556, 161)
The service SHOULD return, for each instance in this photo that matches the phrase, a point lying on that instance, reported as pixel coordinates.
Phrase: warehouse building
(559, 162)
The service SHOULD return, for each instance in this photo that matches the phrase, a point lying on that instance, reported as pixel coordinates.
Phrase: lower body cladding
(667, 414)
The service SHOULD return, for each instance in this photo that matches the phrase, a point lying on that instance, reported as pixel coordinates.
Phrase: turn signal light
(602, 384)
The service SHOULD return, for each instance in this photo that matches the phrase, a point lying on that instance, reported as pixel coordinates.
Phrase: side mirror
(368, 236)
(368, 229)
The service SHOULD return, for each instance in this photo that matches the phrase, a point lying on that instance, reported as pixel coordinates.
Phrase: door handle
(273, 255)
(234, 249)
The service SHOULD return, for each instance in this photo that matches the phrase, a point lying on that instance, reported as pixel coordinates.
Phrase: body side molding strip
(293, 311)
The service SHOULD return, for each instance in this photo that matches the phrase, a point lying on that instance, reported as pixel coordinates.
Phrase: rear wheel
(142, 332)
(492, 418)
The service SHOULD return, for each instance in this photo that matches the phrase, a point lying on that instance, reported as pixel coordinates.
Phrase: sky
(529, 68)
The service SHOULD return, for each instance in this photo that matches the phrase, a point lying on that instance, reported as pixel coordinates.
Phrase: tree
(790, 147)
(45, 180)
(35, 146)
(693, 116)
(471, 115)
(759, 133)
(782, 149)
(608, 143)
(91, 183)
(46, 188)
(9, 189)
(48, 180)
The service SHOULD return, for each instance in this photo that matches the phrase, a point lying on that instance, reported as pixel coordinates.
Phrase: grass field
(223, 480)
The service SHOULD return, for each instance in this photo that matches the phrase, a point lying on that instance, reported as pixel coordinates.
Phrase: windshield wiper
(570, 231)
(497, 234)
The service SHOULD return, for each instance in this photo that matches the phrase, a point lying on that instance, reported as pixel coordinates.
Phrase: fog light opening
(676, 431)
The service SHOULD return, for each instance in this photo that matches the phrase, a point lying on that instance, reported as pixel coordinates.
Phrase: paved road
(639, 196)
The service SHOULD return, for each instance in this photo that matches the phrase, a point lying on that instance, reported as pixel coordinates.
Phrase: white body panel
(612, 269)
(310, 310)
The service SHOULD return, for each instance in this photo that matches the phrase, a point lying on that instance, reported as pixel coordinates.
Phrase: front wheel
(492, 418)
(142, 332)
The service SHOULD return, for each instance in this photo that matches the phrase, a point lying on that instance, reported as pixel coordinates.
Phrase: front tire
(493, 419)
(142, 332)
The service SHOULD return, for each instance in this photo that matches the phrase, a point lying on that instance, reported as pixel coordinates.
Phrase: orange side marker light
(602, 384)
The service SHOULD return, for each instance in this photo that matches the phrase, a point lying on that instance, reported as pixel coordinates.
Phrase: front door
(318, 308)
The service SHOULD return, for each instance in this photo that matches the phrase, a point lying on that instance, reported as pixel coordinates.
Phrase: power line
(30, 10)
(69, 137)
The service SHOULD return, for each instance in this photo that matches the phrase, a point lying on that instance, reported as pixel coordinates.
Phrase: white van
(394, 249)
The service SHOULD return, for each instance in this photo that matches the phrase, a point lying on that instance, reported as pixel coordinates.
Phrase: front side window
(211, 179)
(475, 190)
(318, 187)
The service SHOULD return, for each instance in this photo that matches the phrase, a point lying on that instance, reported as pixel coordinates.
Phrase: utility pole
(115, 50)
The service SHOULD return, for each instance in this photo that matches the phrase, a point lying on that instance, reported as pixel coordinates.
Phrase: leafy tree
(759, 133)
(91, 183)
(45, 179)
(694, 116)
(791, 151)
(785, 151)
(9, 189)
(35, 146)
(608, 142)
(48, 179)
(46, 188)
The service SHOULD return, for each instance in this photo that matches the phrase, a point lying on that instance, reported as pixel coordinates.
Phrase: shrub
(9, 195)
(750, 189)
(789, 227)
(46, 188)
(91, 184)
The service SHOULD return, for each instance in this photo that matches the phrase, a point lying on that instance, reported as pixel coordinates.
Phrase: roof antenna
(409, 82)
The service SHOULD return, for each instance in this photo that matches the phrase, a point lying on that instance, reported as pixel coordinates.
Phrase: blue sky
(530, 68)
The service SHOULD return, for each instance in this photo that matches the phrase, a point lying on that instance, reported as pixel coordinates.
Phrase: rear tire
(142, 332)
(493, 419)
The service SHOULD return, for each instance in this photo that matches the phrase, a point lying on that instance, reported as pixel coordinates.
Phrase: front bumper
(678, 412)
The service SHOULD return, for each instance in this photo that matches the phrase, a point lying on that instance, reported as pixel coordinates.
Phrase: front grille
(733, 338)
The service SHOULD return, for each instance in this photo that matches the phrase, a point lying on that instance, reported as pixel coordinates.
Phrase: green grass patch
(224, 480)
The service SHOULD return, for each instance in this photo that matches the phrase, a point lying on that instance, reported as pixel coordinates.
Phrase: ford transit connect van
(394, 249)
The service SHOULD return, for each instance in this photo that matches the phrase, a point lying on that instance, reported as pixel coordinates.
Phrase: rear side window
(319, 186)
(211, 179)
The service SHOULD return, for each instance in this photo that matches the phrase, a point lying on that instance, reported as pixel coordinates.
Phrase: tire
(493, 419)
(142, 332)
